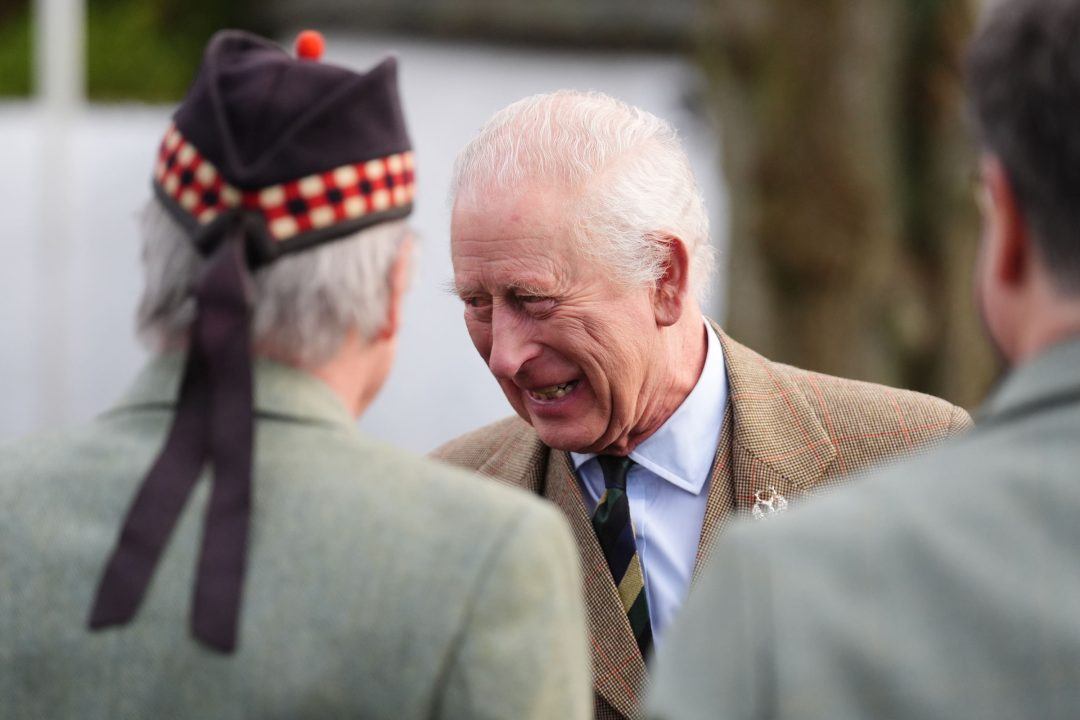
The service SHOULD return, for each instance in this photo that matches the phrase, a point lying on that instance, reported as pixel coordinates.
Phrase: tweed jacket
(957, 598)
(786, 430)
(379, 585)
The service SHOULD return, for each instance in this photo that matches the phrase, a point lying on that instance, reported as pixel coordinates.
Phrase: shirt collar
(1055, 372)
(682, 450)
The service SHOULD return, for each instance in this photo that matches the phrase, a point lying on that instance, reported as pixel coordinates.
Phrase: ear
(1009, 247)
(672, 289)
(400, 272)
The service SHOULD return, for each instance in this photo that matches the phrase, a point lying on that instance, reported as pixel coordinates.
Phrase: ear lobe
(399, 283)
(673, 286)
(1011, 245)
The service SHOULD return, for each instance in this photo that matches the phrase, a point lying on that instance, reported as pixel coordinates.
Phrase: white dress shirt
(668, 488)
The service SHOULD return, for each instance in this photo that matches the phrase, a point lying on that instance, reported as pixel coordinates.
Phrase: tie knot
(615, 469)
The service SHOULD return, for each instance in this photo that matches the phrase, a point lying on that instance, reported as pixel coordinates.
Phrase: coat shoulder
(475, 448)
(855, 409)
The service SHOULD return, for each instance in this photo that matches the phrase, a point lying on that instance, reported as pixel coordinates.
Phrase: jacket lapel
(720, 505)
(618, 669)
(771, 442)
(779, 447)
(521, 461)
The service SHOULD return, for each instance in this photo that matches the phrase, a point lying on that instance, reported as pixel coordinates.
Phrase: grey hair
(305, 304)
(626, 165)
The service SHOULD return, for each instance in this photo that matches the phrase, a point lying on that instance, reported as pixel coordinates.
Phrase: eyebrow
(462, 291)
(527, 289)
(517, 288)
(451, 287)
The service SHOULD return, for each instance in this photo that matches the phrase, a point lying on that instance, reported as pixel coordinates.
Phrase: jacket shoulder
(476, 448)
(855, 409)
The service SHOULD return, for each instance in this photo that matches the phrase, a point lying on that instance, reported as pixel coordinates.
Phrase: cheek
(603, 354)
(480, 334)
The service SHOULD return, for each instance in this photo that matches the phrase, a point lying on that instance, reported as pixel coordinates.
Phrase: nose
(512, 344)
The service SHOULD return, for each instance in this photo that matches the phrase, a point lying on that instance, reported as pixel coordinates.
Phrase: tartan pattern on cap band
(314, 202)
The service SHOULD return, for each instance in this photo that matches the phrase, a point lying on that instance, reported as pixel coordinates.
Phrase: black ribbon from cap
(214, 422)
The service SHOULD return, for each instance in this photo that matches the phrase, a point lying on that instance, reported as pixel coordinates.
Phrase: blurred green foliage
(149, 49)
(135, 49)
(15, 48)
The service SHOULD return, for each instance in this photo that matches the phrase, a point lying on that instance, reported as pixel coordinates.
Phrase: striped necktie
(615, 531)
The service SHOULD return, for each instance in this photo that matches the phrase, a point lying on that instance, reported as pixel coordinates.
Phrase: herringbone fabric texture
(615, 530)
(791, 431)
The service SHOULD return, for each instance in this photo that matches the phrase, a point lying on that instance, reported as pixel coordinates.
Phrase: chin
(561, 437)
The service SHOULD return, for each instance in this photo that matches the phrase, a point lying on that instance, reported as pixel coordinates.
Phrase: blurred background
(829, 139)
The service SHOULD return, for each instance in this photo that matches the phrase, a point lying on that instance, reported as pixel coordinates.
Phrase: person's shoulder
(450, 517)
(816, 584)
(349, 463)
(511, 437)
(850, 399)
(884, 567)
(851, 410)
(944, 516)
(33, 461)
(887, 508)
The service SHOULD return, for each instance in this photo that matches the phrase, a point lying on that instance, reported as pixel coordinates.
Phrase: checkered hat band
(317, 201)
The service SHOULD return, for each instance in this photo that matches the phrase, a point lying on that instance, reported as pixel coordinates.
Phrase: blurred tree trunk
(849, 163)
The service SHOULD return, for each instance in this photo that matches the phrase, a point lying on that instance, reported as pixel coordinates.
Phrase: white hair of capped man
(626, 165)
(304, 305)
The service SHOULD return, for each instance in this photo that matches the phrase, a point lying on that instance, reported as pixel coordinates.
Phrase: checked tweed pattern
(615, 532)
(792, 430)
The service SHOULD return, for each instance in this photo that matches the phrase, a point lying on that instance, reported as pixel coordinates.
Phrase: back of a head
(281, 186)
(1024, 82)
(626, 168)
(304, 304)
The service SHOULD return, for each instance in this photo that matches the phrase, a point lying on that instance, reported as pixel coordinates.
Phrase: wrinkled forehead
(525, 239)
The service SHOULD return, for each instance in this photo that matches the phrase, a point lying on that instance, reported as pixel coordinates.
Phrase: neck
(355, 372)
(1050, 317)
(1052, 331)
(686, 348)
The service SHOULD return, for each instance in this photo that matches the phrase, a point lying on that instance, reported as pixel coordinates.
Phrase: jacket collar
(771, 438)
(618, 668)
(681, 451)
(1049, 378)
(773, 420)
(280, 391)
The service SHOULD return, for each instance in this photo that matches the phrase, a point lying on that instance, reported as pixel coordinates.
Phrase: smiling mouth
(553, 392)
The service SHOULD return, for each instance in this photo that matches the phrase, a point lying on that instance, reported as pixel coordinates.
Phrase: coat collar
(1050, 377)
(774, 424)
(618, 668)
(280, 391)
(771, 439)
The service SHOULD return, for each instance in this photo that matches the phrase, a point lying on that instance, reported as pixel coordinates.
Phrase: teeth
(554, 392)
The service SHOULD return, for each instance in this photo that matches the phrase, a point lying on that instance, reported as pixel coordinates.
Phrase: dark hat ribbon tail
(214, 421)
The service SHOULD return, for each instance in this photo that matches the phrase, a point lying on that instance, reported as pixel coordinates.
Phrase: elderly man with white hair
(581, 251)
(224, 542)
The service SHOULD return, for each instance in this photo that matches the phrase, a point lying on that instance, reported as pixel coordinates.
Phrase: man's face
(572, 349)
